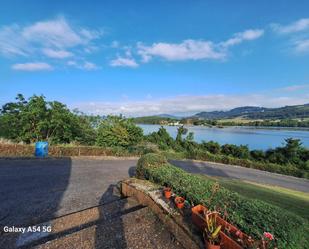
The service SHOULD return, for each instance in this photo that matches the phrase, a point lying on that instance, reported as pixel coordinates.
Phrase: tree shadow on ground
(31, 189)
(198, 168)
(109, 232)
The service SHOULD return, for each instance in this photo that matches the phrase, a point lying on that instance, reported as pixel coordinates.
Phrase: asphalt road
(32, 191)
(237, 172)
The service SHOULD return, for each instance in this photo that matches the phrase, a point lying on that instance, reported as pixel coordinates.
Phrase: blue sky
(142, 57)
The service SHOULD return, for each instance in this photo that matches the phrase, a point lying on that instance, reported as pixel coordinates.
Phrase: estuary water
(255, 138)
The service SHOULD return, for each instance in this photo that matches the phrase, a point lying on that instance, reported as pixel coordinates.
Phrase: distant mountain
(253, 112)
(167, 116)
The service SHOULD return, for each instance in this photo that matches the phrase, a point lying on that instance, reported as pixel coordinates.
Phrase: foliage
(211, 232)
(258, 155)
(251, 216)
(290, 159)
(118, 131)
(211, 146)
(241, 151)
(37, 119)
(162, 138)
(26, 150)
(154, 120)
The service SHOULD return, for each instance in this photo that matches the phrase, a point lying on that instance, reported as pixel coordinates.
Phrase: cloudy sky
(142, 58)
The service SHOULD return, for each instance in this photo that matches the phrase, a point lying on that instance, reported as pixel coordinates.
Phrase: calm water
(255, 138)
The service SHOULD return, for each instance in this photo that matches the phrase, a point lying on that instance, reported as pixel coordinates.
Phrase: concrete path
(237, 172)
(78, 200)
(36, 190)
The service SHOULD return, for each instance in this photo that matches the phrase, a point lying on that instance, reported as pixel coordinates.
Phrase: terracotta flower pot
(211, 246)
(231, 233)
(167, 192)
(180, 202)
(198, 218)
(228, 243)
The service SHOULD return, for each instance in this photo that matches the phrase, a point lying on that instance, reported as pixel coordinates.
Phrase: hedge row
(58, 151)
(270, 167)
(251, 216)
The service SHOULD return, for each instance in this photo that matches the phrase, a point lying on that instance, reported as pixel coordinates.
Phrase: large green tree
(116, 131)
(37, 119)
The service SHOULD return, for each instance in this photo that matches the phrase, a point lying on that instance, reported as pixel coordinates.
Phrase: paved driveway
(237, 172)
(36, 190)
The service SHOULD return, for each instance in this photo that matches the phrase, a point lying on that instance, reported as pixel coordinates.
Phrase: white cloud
(11, 44)
(186, 50)
(32, 66)
(195, 49)
(295, 87)
(124, 62)
(115, 44)
(59, 33)
(302, 46)
(299, 25)
(58, 54)
(247, 35)
(89, 66)
(71, 63)
(86, 65)
(56, 33)
(56, 38)
(187, 105)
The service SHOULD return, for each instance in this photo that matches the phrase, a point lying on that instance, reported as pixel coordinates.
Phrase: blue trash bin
(41, 149)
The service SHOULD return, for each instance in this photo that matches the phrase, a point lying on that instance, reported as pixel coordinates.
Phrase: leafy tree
(162, 138)
(36, 119)
(211, 146)
(241, 151)
(115, 131)
(181, 131)
(257, 155)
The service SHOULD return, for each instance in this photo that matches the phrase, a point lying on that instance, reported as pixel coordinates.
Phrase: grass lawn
(295, 201)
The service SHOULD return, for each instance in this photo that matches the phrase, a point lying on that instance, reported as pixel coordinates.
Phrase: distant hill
(253, 112)
(155, 119)
(287, 115)
(167, 116)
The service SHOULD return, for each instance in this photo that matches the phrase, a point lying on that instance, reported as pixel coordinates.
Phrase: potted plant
(212, 231)
(180, 202)
(167, 192)
(198, 216)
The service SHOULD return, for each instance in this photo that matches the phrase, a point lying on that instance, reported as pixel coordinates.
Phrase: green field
(294, 201)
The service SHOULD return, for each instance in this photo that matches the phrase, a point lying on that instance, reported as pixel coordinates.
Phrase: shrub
(211, 146)
(116, 131)
(162, 138)
(241, 151)
(258, 155)
(8, 150)
(251, 216)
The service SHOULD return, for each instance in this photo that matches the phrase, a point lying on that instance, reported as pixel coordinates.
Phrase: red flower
(268, 236)
(238, 233)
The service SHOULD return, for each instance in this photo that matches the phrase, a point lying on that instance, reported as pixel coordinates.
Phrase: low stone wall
(149, 194)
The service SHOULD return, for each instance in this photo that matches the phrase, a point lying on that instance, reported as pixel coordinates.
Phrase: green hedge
(270, 167)
(8, 150)
(251, 216)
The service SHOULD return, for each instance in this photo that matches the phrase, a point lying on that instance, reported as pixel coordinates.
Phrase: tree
(258, 155)
(116, 131)
(181, 131)
(211, 146)
(36, 119)
(162, 138)
(241, 151)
